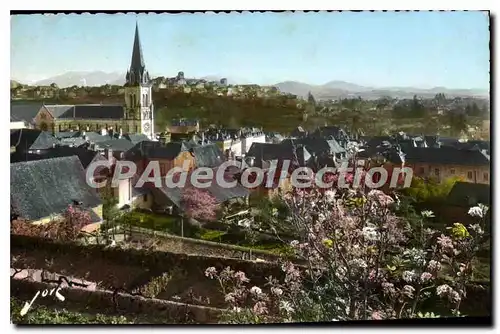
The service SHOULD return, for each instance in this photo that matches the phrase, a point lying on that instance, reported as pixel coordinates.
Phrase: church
(136, 115)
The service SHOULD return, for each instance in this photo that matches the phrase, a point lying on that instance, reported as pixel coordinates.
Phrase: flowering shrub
(362, 262)
(199, 204)
(65, 229)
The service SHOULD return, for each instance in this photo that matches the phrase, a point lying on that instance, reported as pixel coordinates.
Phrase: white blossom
(408, 276)
(286, 306)
(255, 290)
(478, 211)
(276, 291)
(359, 263)
(370, 233)
(330, 196)
(427, 214)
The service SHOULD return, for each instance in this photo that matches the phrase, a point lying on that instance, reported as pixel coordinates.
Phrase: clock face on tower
(146, 127)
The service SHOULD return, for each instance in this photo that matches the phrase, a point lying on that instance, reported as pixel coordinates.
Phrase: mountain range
(330, 90)
(341, 89)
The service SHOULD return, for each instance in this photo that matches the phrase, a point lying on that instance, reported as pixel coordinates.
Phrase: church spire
(137, 73)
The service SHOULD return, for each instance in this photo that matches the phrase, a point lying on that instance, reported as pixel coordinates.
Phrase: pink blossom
(260, 308)
(241, 277)
(388, 288)
(433, 266)
(377, 315)
(425, 277)
(383, 199)
(445, 242)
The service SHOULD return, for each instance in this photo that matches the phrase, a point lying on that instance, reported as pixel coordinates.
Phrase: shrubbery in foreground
(362, 262)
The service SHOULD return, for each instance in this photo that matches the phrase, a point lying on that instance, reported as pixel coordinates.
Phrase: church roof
(87, 111)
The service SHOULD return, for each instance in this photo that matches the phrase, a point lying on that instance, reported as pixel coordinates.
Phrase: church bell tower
(138, 93)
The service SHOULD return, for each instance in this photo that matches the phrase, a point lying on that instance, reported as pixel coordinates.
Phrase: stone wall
(101, 301)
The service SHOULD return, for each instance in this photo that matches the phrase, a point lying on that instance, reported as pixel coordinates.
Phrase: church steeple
(137, 74)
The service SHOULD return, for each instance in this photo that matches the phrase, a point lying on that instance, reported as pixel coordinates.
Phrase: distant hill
(331, 90)
(97, 78)
(14, 84)
(342, 89)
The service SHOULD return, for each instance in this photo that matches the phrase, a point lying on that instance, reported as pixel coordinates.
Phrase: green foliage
(212, 235)
(109, 202)
(425, 191)
(39, 314)
(158, 284)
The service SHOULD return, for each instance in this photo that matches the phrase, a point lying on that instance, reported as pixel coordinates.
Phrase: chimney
(109, 154)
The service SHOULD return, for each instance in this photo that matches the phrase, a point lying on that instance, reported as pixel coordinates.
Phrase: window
(452, 171)
(43, 116)
(421, 170)
(486, 177)
(469, 175)
(436, 171)
(145, 197)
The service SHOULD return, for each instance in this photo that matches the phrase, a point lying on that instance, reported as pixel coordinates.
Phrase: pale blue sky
(421, 49)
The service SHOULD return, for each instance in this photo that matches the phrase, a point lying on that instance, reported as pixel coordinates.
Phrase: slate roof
(31, 139)
(24, 111)
(58, 110)
(268, 152)
(42, 188)
(157, 150)
(75, 142)
(330, 131)
(467, 194)
(67, 134)
(445, 156)
(84, 155)
(221, 194)
(86, 111)
(119, 145)
(135, 138)
(208, 155)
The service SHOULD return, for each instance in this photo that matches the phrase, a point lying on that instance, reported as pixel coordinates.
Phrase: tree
(66, 228)
(457, 120)
(310, 99)
(199, 204)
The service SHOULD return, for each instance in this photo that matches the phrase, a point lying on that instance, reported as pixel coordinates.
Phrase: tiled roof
(46, 187)
(31, 139)
(445, 156)
(24, 111)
